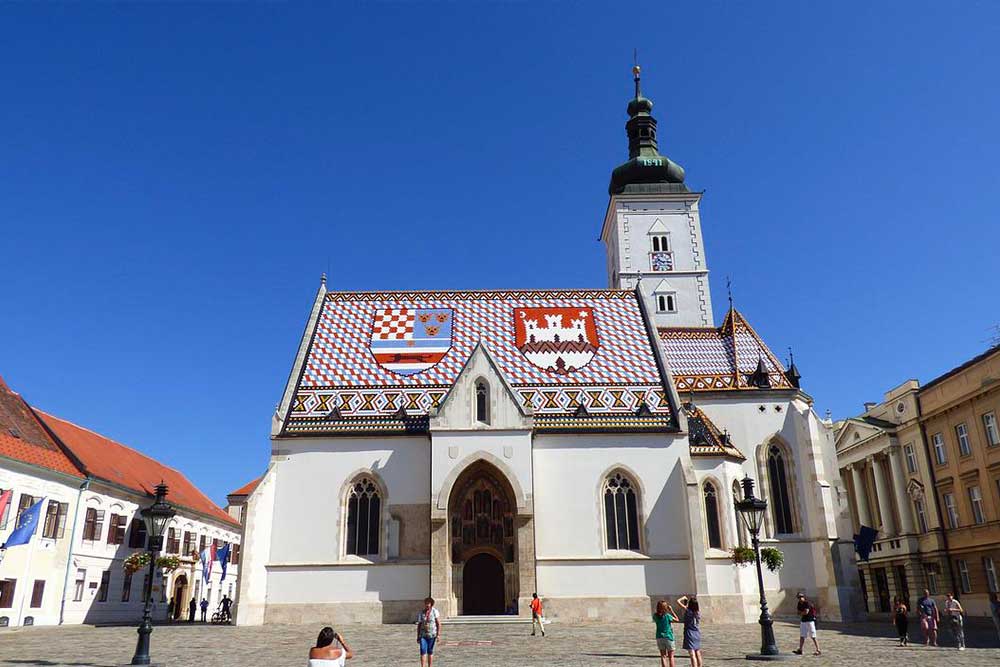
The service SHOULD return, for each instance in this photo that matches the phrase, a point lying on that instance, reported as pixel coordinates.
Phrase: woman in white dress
(327, 654)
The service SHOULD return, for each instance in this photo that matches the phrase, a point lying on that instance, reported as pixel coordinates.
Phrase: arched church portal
(483, 541)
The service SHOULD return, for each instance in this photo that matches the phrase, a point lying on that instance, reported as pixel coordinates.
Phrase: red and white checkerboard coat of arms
(559, 340)
(410, 340)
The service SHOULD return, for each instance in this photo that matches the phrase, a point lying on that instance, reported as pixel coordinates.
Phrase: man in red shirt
(536, 614)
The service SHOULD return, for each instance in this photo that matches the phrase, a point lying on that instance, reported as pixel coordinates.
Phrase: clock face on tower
(661, 261)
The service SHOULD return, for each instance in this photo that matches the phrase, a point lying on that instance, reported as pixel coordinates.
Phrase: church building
(478, 446)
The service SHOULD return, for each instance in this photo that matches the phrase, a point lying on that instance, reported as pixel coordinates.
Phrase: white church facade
(478, 446)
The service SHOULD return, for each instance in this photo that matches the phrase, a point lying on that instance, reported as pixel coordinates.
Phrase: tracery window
(741, 529)
(712, 516)
(780, 501)
(482, 402)
(621, 513)
(364, 513)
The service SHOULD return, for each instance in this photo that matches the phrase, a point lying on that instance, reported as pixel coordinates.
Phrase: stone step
(488, 620)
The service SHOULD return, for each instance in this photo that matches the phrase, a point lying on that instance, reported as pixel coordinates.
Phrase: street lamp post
(156, 517)
(752, 511)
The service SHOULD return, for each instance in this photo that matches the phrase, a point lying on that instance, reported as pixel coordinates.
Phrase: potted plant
(742, 556)
(136, 562)
(168, 563)
(772, 558)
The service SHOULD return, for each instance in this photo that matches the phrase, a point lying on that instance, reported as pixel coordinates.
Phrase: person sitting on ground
(663, 617)
(807, 624)
(327, 654)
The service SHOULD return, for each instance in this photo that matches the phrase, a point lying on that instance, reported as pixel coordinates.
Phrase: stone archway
(483, 541)
(179, 595)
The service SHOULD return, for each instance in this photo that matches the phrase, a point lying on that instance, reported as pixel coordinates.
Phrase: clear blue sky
(175, 178)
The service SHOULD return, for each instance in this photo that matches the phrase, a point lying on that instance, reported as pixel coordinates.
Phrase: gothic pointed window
(712, 516)
(621, 513)
(741, 529)
(364, 514)
(482, 402)
(780, 500)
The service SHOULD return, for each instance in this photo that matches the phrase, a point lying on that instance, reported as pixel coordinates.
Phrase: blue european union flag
(26, 525)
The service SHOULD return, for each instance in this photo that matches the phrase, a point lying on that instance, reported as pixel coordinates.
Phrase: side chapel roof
(384, 361)
(721, 359)
(704, 437)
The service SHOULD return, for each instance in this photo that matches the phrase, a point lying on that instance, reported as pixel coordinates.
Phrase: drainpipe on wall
(72, 541)
(937, 505)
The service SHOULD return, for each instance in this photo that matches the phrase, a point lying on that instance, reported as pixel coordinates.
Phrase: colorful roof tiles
(391, 357)
(24, 438)
(704, 437)
(720, 359)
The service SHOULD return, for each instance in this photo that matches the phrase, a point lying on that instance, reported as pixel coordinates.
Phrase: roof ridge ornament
(792, 374)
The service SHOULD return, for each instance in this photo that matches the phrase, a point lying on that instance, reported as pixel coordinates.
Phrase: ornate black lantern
(752, 511)
(156, 516)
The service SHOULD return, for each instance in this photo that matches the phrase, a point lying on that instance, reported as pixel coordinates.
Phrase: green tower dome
(645, 165)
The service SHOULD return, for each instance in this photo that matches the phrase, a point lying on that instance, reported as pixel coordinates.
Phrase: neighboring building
(477, 446)
(94, 488)
(236, 502)
(959, 416)
(882, 457)
(923, 468)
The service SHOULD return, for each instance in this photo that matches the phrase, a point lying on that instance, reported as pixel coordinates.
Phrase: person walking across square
(204, 609)
(901, 619)
(192, 610)
(536, 614)
(807, 624)
(928, 618)
(953, 608)
(663, 618)
(428, 630)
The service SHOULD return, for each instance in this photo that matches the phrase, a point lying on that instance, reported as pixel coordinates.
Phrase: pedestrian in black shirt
(807, 624)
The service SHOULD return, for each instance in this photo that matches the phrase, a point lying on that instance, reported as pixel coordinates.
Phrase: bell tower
(652, 228)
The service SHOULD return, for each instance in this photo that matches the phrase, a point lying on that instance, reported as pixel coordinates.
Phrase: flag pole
(27, 570)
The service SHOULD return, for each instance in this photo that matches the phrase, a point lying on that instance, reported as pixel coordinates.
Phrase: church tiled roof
(385, 360)
(720, 359)
(704, 437)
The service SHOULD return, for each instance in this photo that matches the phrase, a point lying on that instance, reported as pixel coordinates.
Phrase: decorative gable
(459, 408)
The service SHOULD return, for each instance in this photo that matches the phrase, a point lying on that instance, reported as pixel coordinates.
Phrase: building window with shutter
(126, 586)
(173, 544)
(991, 428)
(364, 514)
(7, 587)
(235, 556)
(202, 543)
(37, 593)
(54, 513)
(26, 502)
(102, 592)
(81, 581)
(188, 543)
(712, 516)
(621, 513)
(93, 525)
(137, 534)
(116, 529)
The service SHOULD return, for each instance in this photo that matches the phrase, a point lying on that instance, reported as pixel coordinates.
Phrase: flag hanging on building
(207, 558)
(223, 556)
(5, 499)
(864, 541)
(26, 524)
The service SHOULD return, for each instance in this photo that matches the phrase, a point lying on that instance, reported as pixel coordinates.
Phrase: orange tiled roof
(246, 489)
(114, 462)
(24, 439)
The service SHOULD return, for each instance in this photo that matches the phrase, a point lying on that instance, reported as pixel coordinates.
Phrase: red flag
(5, 500)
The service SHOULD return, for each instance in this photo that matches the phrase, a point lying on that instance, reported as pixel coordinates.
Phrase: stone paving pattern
(182, 645)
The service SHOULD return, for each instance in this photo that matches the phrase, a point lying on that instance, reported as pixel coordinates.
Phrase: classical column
(882, 497)
(899, 486)
(860, 501)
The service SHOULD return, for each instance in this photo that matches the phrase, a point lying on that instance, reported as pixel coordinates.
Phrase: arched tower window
(621, 513)
(482, 402)
(364, 514)
(741, 529)
(780, 501)
(712, 516)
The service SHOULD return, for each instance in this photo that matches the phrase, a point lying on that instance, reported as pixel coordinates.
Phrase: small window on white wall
(666, 303)
(661, 243)
(482, 402)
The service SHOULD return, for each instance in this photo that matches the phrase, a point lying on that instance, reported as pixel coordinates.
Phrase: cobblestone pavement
(198, 645)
